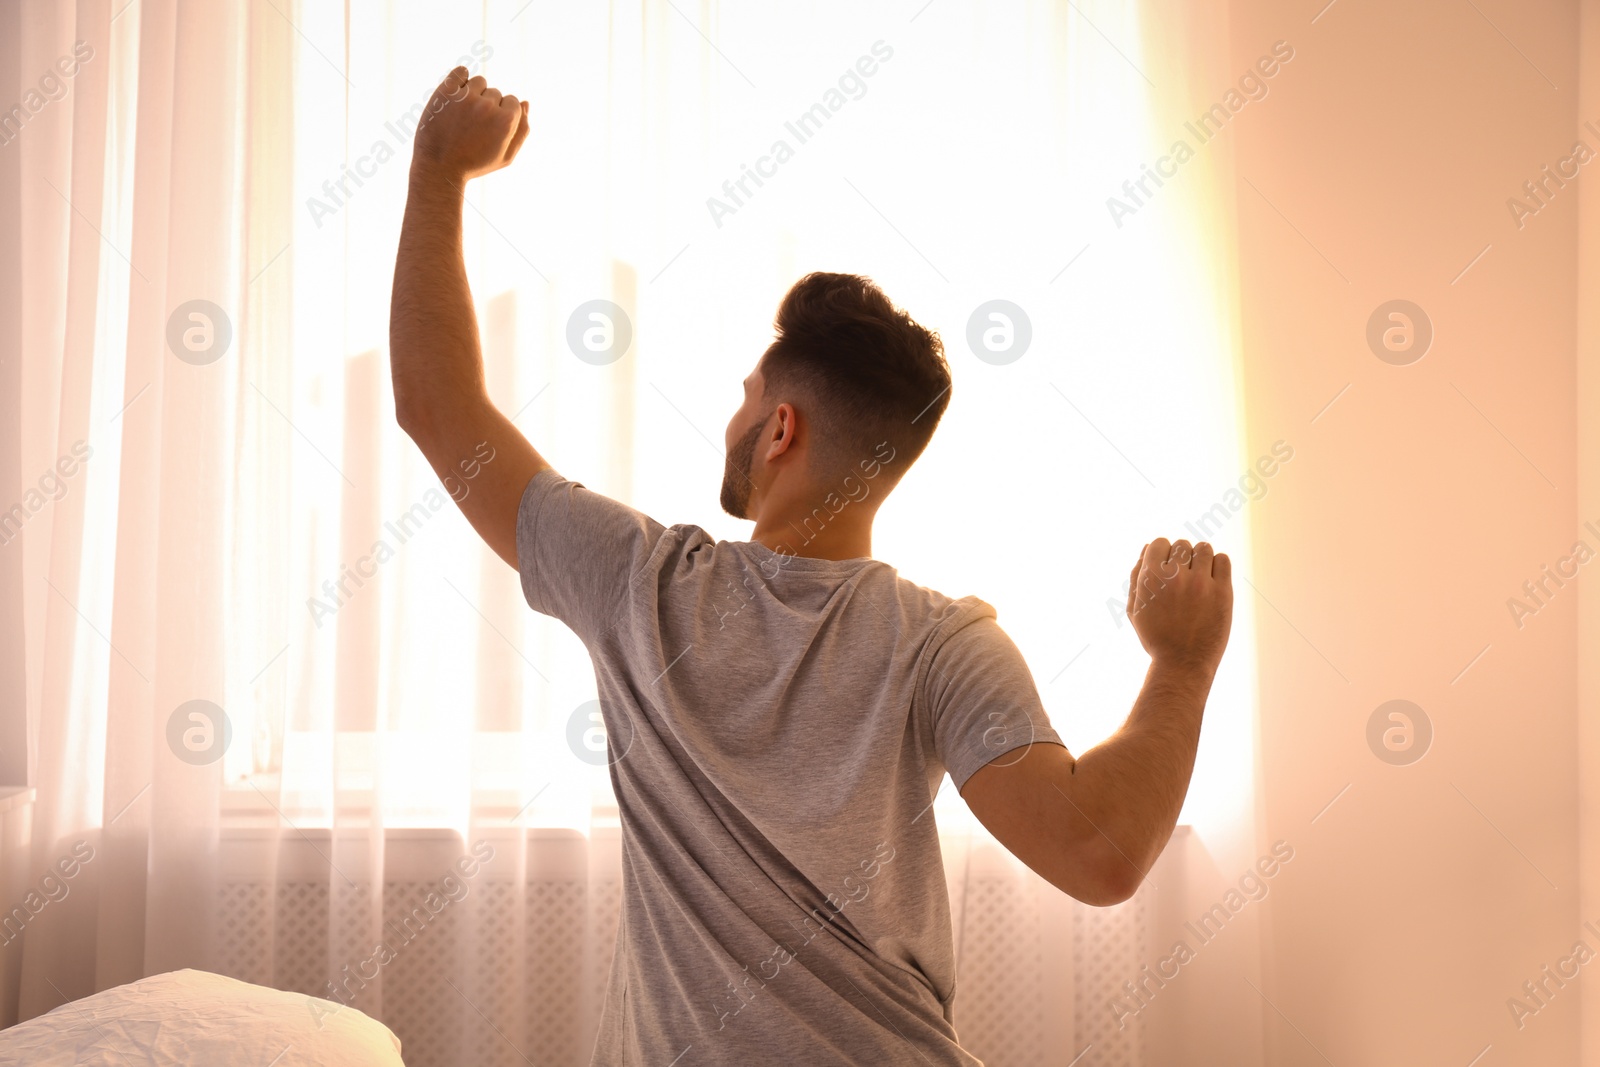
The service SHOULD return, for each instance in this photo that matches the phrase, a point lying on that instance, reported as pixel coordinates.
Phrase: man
(782, 711)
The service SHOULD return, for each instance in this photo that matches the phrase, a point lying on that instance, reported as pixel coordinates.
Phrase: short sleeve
(982, 699)
(578, 551)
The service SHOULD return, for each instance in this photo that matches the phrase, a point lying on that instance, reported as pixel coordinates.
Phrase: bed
(192, 1017)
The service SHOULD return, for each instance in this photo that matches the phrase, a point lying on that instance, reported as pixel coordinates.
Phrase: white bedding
(192, 1017)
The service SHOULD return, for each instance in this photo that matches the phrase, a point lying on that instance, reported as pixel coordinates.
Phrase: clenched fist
(1180, 601)
(468, 129)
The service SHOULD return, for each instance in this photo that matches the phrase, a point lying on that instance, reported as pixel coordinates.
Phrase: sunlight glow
(949, 187)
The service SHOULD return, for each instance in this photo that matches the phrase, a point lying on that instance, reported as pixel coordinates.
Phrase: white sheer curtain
(208, 212)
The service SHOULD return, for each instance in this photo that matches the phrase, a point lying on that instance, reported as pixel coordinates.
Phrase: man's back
(778, 727)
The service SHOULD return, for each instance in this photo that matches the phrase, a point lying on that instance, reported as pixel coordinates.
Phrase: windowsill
(246, 812)
(254, 807)
(17, 796)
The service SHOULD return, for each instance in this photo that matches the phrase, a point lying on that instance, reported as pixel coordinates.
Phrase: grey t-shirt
(778, 727)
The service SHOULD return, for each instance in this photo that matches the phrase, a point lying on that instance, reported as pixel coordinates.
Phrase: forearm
(436, 361)
(1093, 826)
(435, 356)
(1132, 785)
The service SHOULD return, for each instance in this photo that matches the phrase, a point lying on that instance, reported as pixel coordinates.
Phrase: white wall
(1419, 502)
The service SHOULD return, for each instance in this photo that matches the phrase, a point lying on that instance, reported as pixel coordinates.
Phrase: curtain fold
(305, 723)
(70, 167)
(135, 445)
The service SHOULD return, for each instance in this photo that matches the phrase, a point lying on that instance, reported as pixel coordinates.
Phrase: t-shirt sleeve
(579, 551)
(982, 699)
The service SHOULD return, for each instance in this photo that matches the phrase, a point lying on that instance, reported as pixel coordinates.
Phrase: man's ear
(784, 430)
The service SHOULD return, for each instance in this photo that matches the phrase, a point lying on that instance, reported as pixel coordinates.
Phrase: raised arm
(440, 397)
(1094, 825)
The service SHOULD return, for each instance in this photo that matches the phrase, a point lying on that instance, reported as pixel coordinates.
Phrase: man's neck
(819, 534)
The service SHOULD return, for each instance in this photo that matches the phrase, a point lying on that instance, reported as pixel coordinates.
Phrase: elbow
(1092, 871)
(426, 412)
(1111, 878)
(410, 416)
(1117, 886)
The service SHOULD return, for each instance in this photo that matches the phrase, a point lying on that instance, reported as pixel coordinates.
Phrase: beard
(736, 483)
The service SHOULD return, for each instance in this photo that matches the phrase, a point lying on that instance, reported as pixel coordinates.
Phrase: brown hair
(864, 371)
